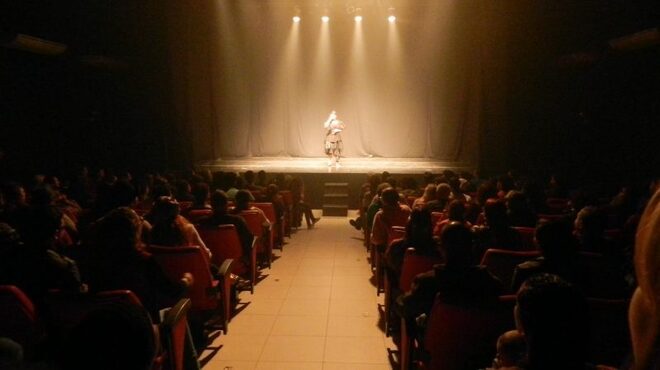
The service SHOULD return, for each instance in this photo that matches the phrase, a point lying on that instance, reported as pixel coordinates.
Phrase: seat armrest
(226, 267)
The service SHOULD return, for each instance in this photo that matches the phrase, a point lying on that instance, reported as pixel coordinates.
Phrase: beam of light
(391, 19)
(325, 19)
(296, 19)
(358, 18)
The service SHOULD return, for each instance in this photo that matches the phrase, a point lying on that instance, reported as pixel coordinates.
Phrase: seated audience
(169, 228)
(243, 204)
(200, 194)
(511, 350)
(37, 267)
(118, 260)
(300, 206)
(455, 213)
(441, 201)
(458, 282)
(221, 217)
(112, 337)
(518, 210)
(391, 214)
(429, 195)
(551, 314)
(496, 233)
(559, 256)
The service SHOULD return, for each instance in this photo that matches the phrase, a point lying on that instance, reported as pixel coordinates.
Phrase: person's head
(117, 336)
(11, 354)
(419, 230)
(271, 191)
(644, 312)
(262, 178)
(456, 211)
(249, 177)
(505, 183)
(390, 197)
(201, 193)
(118, 232)
(41, 226)
(165, 210)
(495, 212)
(590, 223)
(42, 196)
(455, 184)
(430, 192)
(409, 183)
(555, 239)
(9, 237)
(242, 199)
(123, 194)
(183, 189)
(552, 316)
(516, 202)
(219, 202)
(456, 245)
(443, 191)
(511, 350)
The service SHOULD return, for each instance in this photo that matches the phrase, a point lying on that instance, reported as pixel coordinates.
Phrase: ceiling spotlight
(296, 19)
(325, 19)
(391, 19)
(358, 18)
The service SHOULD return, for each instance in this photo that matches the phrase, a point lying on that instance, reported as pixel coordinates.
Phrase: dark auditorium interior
(500, 181)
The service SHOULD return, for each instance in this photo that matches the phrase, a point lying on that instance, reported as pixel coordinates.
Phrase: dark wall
(61, 112)
(574, 105)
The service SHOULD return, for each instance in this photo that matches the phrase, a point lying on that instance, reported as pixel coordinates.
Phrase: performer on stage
(333, 143)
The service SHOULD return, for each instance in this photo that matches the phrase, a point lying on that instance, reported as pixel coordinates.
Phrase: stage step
(335, 199)
(335, 210)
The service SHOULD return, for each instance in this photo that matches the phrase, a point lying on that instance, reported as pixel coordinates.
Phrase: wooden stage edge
(351, 165)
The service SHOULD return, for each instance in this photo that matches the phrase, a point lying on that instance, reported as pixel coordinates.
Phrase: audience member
(391, 214)
(300, 206)
(551, 314)
(429, 195)
(118, 260)
(518, 210)
(112, 337)
(221, 217)
(169, 228)
(496, 233)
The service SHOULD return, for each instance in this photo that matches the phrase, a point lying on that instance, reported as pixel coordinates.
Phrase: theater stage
(363, 165)
(316, 173)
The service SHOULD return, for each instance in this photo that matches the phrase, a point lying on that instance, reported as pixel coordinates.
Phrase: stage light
(296, 19)
(358, 18)
(391, 19)
(325, 19)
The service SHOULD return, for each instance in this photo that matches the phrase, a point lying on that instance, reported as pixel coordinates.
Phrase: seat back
(268, 209)
(557, 205)
(394, 233)
(18, 316)
(527, 237)
(413, 265)
(196, 215)
(437, 217)
(551, 217)
(176, 261)
(223, 241)
(173, 330)
(502, 262)
(460, 338)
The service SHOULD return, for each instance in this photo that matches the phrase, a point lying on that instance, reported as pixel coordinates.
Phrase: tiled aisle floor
(315, 310)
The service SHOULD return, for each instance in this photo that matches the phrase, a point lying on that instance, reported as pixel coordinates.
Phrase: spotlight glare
(358, 18)
(391, 19)
(325, 19)
(296, 19)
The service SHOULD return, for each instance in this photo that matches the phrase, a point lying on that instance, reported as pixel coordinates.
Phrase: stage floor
(320, 165)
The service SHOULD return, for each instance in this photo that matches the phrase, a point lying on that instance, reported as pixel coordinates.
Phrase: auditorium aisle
(315, 310)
